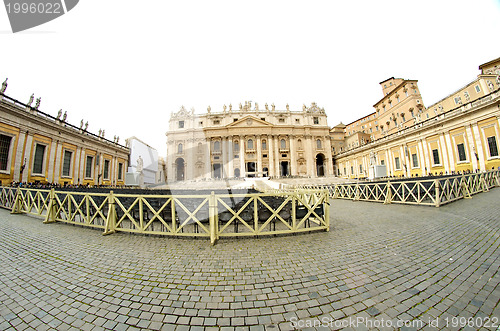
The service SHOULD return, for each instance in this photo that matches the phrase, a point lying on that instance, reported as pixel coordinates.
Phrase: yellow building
(458, 133)
(36, 147)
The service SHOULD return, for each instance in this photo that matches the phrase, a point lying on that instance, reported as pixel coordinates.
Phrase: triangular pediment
(248, 121)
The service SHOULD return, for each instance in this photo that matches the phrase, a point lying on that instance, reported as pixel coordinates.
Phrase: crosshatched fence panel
(430, 191)
(185, 215)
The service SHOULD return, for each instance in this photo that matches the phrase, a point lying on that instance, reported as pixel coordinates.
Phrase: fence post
(388, 194)
(356, 192)
(16, 206)
(327, 210)
(212, 206)
(437, 200)
(465, 189)
(484, 184)
(111, 219)
(497, 178)
(51, 211)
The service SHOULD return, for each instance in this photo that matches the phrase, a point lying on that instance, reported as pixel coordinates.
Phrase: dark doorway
(266, 172)
(284, 168)
(179, 169)
(250, 169)
(320, 165)
(217, 170)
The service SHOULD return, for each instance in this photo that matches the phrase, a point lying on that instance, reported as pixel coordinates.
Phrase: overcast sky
(126, 65)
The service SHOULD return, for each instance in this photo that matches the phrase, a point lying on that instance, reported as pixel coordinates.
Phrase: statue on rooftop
(287, 107)
(37, 103)
(103, 133)
(241, 107)
(225, 107)
(65, 116)
(256, 106)
(32, 97)
(304, 107)
(81, 124)
(100, 132)
(267, 107)
(230, 107)
(4, 86)
(86, 125)
(273, 107)
(59, 113)
(209, 109)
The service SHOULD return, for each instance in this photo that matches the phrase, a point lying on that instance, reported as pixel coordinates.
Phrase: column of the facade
(242, 157)
(277, 158)
(329, 163)
(309, 157)
(479, 146)
(427, 158)
(208, 159)
(224, 153)
(189, 152)
(388, 158)
(17, 157)
(446, 160)
(271, 155)
(449, 148)
(259, 154)
(472, 147)
(230, 163)
(51, 158)
(293, 157)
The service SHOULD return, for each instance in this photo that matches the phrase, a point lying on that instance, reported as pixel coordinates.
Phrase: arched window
(217, 146)
(264, 145)
(200, 147)
(236, 146)
(179, 148)
(299, 142)
(318, 144)
(250, 144)
(283, 143)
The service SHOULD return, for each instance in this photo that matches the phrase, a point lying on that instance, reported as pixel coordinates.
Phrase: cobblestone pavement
(420, 266)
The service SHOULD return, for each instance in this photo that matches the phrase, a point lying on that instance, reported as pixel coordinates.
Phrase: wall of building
(48, 150)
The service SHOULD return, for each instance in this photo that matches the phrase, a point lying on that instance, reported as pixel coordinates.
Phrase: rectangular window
(67, 163)
(181, 124)
(106, 169)
(4, 151)
(360, 168)
(88, 166)
(492, 145)
(316, 120)
(120, 169)
(414, 160)
(352, 170)
(461, 152)
(39, 156)
(382, 162)
(478, 89)
(216, 122)
(397, 163)
(435, 156)
(281, 120)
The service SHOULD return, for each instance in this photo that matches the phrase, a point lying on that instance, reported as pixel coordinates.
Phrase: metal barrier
(431, 192)
(198, 215)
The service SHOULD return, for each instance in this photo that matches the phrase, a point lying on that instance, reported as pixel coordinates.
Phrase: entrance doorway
(179, 169)
(266, 172)
(320, 165)
(284, 168)
(217, 170)
(251, 169)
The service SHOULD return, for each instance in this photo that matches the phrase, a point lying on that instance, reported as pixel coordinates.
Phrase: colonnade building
(459, 133)
(249, 141)
(36, 147)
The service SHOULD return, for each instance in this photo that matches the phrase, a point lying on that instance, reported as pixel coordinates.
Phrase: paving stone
(377, 261)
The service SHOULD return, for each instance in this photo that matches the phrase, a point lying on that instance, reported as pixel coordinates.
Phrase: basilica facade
(249, 142)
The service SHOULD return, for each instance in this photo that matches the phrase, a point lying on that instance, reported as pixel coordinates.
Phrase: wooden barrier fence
(209, 215)
(431, 192)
